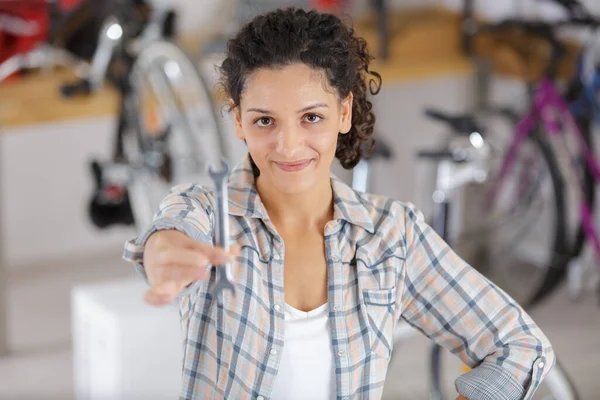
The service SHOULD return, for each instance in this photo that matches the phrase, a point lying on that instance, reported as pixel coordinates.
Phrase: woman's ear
(346, 115)
(237, 117)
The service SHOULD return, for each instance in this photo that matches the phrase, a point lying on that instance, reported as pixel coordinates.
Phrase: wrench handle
(222, 235)
(220, 178)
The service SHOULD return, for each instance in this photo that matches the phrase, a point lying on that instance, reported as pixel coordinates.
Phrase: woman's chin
(293, 185)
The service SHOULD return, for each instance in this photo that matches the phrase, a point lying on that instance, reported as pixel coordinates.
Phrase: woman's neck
(301, 210)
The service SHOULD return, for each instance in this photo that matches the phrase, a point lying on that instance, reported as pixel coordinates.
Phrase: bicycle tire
(589, 184)
(557, 271)
(560, 383)
(575, 247)
(554, 269)
(189, 138)
(584, 110)
(207, 129)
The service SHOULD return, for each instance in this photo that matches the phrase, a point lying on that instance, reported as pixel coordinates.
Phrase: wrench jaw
(219, 175)
(221, 286)
(224, 282)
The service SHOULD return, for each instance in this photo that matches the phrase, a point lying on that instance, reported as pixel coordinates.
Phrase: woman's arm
(464, 312)
(187, 209)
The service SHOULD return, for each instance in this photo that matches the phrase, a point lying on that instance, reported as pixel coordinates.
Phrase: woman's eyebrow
(305, 109)
(317, 105)
(258, 110)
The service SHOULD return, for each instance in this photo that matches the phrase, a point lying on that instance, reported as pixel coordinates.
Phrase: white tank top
(307, 367)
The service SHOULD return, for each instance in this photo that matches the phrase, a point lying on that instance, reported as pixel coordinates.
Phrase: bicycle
(168, 130)
(548, 163)
(463, 161)
(457, 166)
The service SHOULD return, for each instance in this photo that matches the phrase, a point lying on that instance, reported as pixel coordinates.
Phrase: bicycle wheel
(589, 182)
(177, 131)
(444, 369)
(583, 104)
(520, 222)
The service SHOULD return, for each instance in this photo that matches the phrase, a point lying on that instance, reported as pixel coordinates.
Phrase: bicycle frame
(549, 109)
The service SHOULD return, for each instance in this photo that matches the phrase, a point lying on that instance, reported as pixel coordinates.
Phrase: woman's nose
(289, 141)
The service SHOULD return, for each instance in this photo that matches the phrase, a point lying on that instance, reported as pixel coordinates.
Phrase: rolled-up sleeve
(464, 312)
(187, 209)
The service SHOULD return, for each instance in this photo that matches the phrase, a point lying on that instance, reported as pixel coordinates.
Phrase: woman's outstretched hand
(172, 261)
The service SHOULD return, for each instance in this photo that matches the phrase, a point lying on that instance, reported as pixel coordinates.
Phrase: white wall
(46, 186)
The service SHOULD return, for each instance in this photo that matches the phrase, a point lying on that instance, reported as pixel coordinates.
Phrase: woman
(322, 273)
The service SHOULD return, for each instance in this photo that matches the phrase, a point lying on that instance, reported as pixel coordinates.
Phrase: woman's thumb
(162, 294)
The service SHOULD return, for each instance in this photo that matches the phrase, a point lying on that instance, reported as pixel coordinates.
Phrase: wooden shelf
(36, 99)
(424, 44)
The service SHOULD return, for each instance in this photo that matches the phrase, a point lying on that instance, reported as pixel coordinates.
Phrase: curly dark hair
(321, 41)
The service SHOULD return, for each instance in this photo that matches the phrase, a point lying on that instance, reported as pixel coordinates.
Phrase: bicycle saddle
(381, 151)
(460, 124)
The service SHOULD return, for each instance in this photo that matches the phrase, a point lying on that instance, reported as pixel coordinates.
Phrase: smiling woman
(293, 135)
(335, 57)
(323, 273)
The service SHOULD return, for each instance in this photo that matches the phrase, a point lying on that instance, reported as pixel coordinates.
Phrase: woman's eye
(312, 118)
(263, 121)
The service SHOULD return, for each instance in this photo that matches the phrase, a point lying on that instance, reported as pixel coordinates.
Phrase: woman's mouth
(293, 166)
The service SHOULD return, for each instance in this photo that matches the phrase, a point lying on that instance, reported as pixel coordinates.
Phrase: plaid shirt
(384, 264)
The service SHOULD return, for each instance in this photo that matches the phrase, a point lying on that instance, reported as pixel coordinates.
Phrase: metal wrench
(220, 178)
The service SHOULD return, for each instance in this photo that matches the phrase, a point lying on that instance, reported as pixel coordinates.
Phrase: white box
(123, 348)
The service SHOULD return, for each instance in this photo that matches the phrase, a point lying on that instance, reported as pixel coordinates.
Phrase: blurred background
(100, 105)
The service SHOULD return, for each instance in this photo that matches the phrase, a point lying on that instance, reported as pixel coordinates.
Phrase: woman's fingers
(217, 255)
(180, 273)
(178, 264)
(186, 264)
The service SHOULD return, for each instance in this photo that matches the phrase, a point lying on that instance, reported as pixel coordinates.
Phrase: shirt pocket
(379, 306)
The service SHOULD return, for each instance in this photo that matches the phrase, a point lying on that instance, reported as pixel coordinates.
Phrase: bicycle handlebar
(459, 124)
(82, 86)
(438, 155)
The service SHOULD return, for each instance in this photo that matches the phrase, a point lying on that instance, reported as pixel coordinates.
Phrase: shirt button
(273, 352)
(541, 364)
(337, 307)
(277, 307)
(260, 398)
(276, 257)
(341, 353)
(335, 258)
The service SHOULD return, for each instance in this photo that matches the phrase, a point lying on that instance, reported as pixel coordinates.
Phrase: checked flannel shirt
(385, 264)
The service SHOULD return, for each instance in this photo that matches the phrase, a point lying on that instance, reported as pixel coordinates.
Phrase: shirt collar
(244, 200)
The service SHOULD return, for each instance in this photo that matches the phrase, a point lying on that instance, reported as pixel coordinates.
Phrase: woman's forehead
(296, 82)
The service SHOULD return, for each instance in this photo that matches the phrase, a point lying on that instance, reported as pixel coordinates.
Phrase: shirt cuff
(134, 249)
(489, 381)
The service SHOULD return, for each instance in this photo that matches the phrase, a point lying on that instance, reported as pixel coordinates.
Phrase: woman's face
(290, 119)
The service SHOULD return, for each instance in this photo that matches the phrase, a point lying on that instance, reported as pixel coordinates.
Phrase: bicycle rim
(172, 131)
(176, 106)
(521, 236)
(557, 386)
